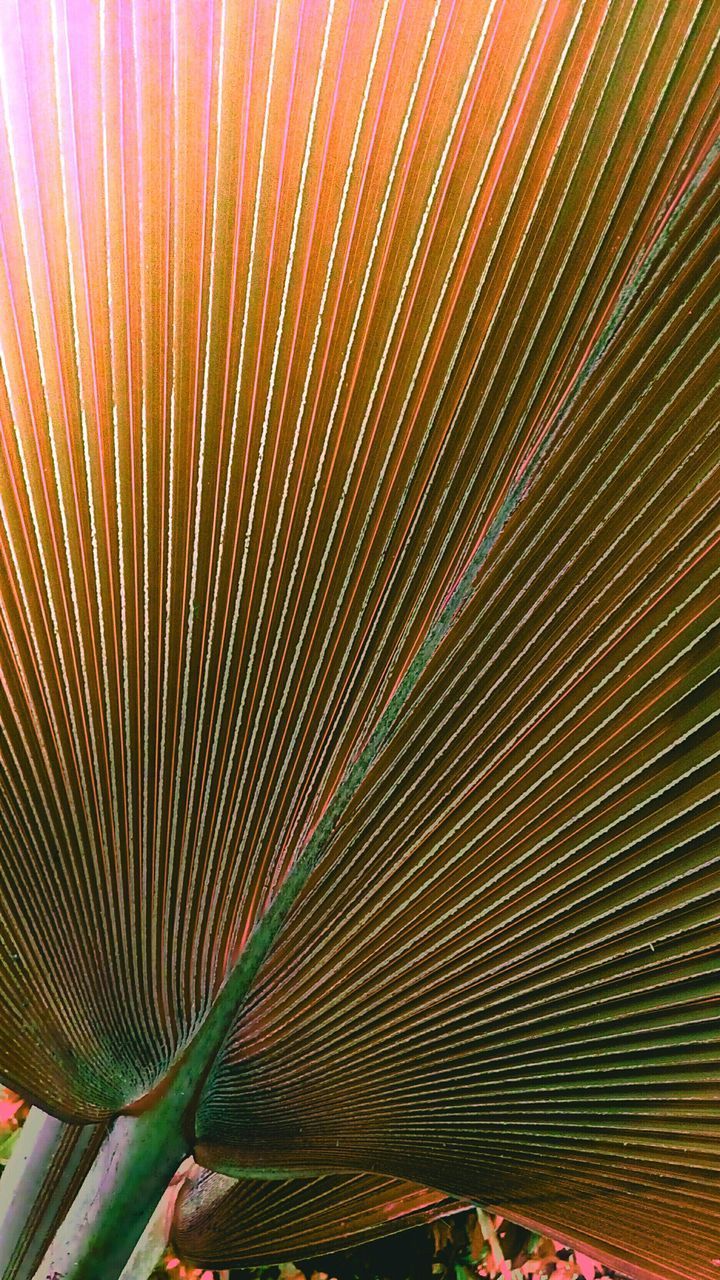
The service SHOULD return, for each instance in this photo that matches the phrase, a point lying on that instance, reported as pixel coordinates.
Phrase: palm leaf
(358, 597)
(240, 1222)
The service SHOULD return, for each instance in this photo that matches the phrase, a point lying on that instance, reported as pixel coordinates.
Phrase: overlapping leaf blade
(294, 300)
(242, 1221)
(512, 991)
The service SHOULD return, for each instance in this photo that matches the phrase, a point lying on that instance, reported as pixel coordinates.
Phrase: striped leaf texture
(503, 978)
(225, 1222)
(358, 503)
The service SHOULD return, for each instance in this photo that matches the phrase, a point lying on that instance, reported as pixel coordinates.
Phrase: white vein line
(201, 458)
(23, 462)
(311, 753)
(311, 361)
(269, 398)
(340, 383)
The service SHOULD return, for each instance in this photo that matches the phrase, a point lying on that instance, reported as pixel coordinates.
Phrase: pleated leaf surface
(239, 1222)
(307, 310)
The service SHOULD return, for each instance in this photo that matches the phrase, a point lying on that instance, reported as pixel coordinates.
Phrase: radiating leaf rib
(311, 318)
(235, 1222)
(537, 849)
